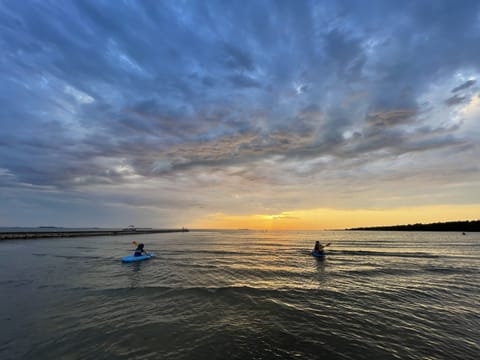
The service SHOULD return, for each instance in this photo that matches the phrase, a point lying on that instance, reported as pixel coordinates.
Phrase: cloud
(391, 118)
(455, 100)
(236, 58)
(464, 86)
(244, 81)
(101, 95)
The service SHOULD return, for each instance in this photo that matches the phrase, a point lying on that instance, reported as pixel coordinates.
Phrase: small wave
(16, 283)
(192, 253)
(382, 272)
(383, 253)
(70, 257)
(452, 270)
(195, 266)
(51, 286)
(217, 291)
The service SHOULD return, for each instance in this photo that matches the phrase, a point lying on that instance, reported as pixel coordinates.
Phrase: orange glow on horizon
(324, 219)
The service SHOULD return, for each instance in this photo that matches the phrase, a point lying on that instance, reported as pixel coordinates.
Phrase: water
(242, 295)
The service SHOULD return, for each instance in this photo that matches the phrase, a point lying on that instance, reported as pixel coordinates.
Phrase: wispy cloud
(464, 86)
(177, 98)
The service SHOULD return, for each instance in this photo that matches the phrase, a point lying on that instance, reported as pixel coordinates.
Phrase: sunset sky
(239, 114)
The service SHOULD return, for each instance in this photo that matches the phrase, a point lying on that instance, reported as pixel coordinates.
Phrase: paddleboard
(131, 258)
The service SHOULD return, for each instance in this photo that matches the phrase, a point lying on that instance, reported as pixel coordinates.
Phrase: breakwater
(80, 233)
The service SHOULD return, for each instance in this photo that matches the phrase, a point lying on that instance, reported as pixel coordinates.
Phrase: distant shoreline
(80, 233)
(457, 226)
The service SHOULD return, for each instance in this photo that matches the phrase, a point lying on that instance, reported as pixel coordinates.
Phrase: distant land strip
(79, 233)
(462, 226)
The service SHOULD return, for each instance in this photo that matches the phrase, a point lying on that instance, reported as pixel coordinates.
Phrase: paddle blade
(328, 244)
(134, 243)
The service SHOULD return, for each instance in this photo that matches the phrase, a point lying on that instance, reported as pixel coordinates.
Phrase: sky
(239, 114)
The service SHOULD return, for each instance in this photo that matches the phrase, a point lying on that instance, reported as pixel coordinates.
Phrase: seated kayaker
(139, 251)
(318, 248)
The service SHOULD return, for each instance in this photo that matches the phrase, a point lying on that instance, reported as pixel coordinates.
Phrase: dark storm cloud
(165, 86)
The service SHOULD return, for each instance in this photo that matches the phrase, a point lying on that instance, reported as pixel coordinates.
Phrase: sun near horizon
(330, 219)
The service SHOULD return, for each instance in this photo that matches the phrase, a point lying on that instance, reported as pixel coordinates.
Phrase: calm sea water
(242, 295)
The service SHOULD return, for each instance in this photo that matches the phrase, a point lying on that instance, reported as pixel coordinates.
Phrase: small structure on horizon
(130, 228)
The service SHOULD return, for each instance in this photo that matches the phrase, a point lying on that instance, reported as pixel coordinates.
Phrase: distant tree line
(462, 226)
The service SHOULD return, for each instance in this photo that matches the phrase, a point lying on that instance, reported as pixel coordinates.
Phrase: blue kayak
(131, 258)
(319, 255)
